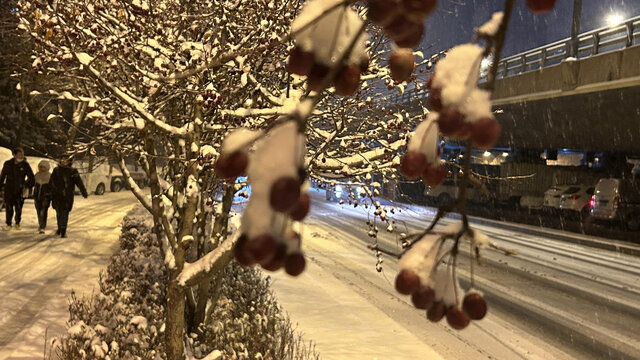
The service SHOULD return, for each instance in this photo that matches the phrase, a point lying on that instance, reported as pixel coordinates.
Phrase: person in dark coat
(16, 176)
(63, 181)
(42, 194)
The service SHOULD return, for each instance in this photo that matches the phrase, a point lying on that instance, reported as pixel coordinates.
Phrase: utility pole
(575, 28)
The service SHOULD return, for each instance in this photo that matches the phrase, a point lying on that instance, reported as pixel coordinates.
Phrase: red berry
(261, 248)
(348, 80)
(465, 132)
(419, 9)
(413, 164)
(400, 26)
(285, 193)
(300, 61)
(437, 311)
(412, 38)
(435, 99)
(278, 259)
(450, 121)
(240, 252)
(457, 318)
(401, 64)
(434, 175)
(474, 306)
(540, 6)
(407, 281)
(316, 76)
(485, 132)
(430, 81)
(295, 264)
(423, 297)
(231, 166)
(301, 208)
(382, 12)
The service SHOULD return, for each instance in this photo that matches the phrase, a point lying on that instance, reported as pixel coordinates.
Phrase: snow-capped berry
(315, 78)
(407, 281)
(433, 175)
(411, 38)
(540, 6)
(435, 99)
(231, 166)
(348, 80)
(485, 132)
(456, 318)
(474, 306)
(419, 9)
(285, 193)
(401, 64)
(437, 311)
(301, 208)
(261, 248)
(382, 12)
(278, 259)
(450, 121)
(295, 264)
(423, 297)
(300, 61)
(413, 164)
(240, 252)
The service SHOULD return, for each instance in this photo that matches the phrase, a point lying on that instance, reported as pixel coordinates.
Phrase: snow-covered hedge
(125, 320)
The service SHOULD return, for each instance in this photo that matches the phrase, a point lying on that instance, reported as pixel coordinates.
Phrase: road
(39, 272)
(555, 300)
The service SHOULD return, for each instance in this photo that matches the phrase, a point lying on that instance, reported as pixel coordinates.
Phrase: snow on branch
(357, 160)
(215, 260)
(130, 101)
(135, 189)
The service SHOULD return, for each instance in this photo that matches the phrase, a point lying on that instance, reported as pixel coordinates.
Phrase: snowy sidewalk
(39, 272)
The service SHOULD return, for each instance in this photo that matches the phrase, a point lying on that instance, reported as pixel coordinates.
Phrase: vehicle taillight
(592, 202)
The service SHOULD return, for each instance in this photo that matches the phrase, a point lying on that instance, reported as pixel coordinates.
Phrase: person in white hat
(42, 194)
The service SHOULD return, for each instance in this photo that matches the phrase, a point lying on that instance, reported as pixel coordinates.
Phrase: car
(447, 191)
(617, 201)
(344, 191)
(102, 176)
(552, 198)
(575, 200)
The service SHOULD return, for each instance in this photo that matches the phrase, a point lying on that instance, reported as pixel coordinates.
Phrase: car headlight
(338, 188)
(359, 190)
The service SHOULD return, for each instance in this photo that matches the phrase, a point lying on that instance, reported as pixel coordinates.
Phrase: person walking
(63, 181)
(16, 176)
(42, 194)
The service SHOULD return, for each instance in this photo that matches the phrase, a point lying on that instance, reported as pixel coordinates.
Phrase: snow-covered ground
(39, 272)
(351, 311)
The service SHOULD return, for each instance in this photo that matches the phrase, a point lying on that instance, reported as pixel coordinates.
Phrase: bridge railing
(591, 43)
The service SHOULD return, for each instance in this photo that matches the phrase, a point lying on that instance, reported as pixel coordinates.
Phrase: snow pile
(490, 28)
(125, 320)
(457, 74)
(425, 139)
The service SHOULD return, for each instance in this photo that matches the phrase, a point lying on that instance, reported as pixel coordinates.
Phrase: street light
(614, 19)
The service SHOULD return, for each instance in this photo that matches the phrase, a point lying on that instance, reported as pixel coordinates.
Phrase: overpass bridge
(545, 99)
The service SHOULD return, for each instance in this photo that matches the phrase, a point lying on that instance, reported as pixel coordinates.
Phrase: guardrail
(591, 43)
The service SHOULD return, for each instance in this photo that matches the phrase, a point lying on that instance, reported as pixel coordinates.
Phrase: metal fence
(591, 43)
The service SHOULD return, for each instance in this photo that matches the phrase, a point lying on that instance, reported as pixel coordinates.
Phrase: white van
(617, 201)
(103, 176)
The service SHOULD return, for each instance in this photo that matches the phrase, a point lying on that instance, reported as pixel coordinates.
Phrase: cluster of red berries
(303, 63)
(414, 164)
(271, 253)
(402, 20)
(484, 132)
(209, 99)
(540, 6)
(423, 297)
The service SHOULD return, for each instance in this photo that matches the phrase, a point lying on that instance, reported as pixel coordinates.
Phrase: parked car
(617, 201)
(575, 200)
(101, 177)
(552, 198)
(344, 191)
(444, 193)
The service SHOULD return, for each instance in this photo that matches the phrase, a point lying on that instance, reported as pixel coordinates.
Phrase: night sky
(454, 20)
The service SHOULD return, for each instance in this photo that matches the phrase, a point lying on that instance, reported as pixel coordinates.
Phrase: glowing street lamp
(614, 19)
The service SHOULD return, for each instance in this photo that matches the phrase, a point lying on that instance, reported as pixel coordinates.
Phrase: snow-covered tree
(204, 91)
